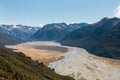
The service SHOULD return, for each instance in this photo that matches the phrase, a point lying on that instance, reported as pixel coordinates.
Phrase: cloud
(117, 12)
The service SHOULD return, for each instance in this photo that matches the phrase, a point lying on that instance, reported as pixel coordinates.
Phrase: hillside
(101, 38)
(71, 61)
(15, 66)
(6, 39)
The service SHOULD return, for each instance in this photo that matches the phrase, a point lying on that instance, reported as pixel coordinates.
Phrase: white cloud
(117, 12)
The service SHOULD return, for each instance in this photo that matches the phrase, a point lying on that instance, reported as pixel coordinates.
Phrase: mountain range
(101, 38)
(19, 31)
(55, 31)
(6, 39)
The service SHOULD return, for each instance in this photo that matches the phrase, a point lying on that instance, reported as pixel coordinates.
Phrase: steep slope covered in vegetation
(15, 66)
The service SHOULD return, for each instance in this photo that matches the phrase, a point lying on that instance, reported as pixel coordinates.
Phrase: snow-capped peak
(15, 26)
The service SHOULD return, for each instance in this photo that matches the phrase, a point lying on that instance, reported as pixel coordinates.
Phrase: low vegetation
(16, 66)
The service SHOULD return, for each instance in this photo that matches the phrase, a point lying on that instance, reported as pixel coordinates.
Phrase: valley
(70, 61)
(59, 40)
(40, 51)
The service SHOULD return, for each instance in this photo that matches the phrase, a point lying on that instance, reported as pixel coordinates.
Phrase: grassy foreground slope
(16, 66)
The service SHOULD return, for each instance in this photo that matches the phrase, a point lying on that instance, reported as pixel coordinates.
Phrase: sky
(40, 12)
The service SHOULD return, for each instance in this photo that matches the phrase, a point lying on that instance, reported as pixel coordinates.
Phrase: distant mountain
(19, 31)
(101, 38)
(75, 26)
(6, 39)
(56, 31)
(16, 66)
